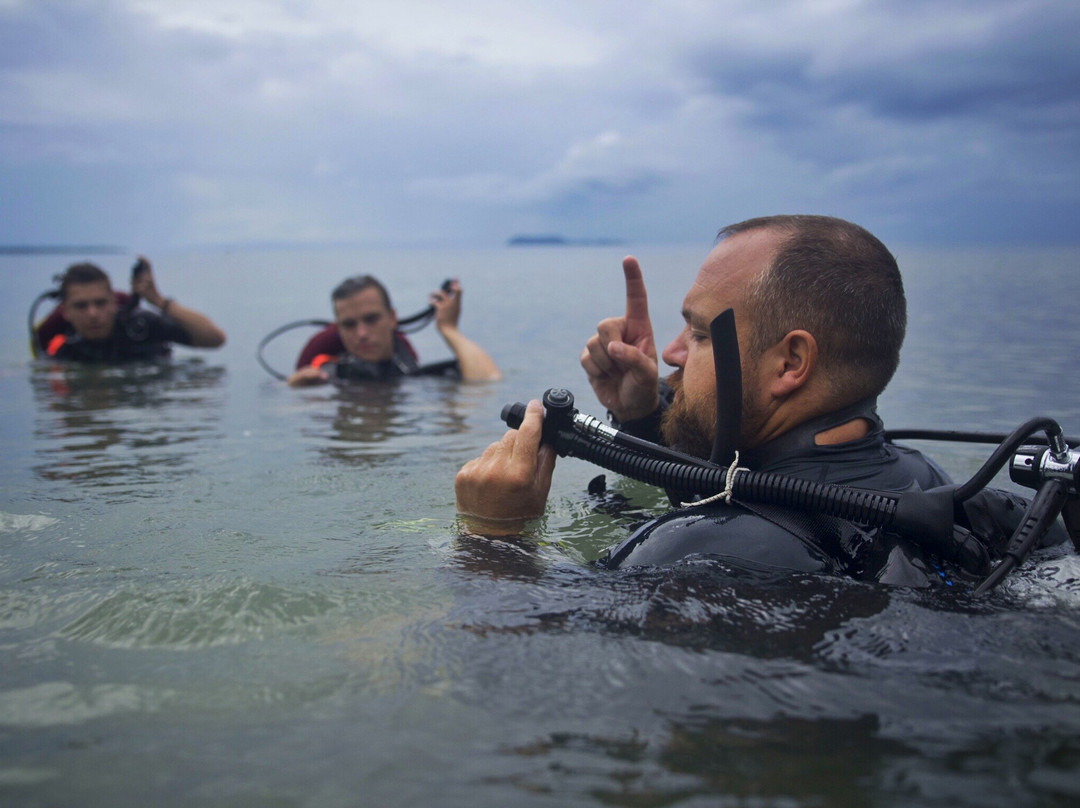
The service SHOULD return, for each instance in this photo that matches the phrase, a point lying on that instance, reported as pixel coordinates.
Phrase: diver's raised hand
(620, 358)
(474, 363)
(202, 330)
(447, 305)
(143, 285)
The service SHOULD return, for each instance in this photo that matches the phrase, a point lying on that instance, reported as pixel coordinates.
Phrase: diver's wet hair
(82, 273)
(356, 284)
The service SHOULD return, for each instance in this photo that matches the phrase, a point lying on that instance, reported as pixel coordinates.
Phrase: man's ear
(792, 362)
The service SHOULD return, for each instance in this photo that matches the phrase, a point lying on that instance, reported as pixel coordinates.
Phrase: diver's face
(366, 325)
(91, 309)
(721, 283)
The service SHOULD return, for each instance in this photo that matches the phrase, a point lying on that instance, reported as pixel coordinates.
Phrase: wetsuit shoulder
(326, 342)
(718, 531)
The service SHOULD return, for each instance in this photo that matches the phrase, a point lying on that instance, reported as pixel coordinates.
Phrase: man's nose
(675, 353)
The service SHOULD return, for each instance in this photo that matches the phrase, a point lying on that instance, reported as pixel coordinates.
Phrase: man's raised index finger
(637, 301)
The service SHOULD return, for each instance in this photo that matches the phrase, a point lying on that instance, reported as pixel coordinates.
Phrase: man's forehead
(364, 300)
(729, 268)
(87, 290)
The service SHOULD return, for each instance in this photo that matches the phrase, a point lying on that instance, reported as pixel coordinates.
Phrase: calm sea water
(215, 590)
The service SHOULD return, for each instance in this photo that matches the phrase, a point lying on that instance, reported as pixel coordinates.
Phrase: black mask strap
(725, 344)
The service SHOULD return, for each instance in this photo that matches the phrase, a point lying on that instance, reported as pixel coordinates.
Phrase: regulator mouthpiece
(559, 413)
(513, 414)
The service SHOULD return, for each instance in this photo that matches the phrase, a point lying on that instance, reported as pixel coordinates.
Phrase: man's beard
(688, 426)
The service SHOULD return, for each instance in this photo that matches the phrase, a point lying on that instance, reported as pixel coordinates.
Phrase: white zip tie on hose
(729, 480)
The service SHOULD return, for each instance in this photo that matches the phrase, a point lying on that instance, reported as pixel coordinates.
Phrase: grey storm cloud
(190, 121)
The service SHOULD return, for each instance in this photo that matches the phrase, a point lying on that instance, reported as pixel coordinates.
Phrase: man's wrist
(493, 526)
(646, 426)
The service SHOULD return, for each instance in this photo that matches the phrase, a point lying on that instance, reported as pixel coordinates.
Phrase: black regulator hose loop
(925, 517)
(278, 332)
(415, 322)
(53, 294)
(922, 512)
(1004, 452)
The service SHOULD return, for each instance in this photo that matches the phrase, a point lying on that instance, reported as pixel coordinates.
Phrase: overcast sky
(172, 123)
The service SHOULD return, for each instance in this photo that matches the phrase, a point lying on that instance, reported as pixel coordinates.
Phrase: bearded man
(819, 308)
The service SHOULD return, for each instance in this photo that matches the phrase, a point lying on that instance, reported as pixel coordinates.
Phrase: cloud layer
(181, 122)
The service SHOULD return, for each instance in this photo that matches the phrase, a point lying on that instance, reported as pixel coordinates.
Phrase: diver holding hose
(92, 323)
(820, 313)
(367, 341)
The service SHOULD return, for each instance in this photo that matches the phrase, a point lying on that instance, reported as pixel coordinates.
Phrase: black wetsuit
(136, 335)
(348, 368)
(767, 537)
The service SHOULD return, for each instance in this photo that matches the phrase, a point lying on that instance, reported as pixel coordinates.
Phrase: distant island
(554, 240)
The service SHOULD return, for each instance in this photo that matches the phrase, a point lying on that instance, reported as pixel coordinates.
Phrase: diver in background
(92, 323)
(820, 309)
(364, 342)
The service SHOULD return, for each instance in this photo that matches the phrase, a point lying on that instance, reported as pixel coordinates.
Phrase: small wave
(12, 522)
(52, 704)
(197, 617)
(19, 610)
(1051, 582)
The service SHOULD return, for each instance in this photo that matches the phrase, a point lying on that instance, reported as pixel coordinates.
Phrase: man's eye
(372, 319)
(699, 337)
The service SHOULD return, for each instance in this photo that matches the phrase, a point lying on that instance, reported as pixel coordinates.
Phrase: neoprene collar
(801, 438)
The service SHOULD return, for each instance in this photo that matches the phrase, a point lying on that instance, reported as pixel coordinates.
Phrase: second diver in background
(364, 341)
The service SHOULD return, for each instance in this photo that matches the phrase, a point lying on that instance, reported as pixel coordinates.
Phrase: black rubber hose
(852, 504)
(1001, 455)
(952, 436)
(277, 332)
(35, 349)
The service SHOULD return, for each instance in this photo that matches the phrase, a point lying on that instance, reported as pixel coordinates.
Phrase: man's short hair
(356, 284)
(839, 282)
(82, 273)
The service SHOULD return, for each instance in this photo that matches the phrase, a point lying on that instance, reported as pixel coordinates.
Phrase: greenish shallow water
(215, 590)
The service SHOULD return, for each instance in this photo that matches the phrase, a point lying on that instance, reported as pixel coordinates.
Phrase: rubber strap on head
(725, 344)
